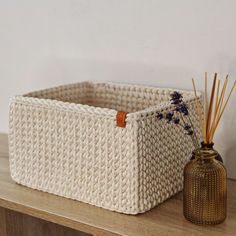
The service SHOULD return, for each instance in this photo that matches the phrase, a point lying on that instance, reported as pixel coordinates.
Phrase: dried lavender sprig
(195, 134)
(195, 142)
(182, 108)
(169, 117)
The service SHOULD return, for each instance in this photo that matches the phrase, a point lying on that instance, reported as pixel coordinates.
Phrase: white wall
(50, 42)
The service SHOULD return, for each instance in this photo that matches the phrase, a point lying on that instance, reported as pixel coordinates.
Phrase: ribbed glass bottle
(210, 146)
(205, 188)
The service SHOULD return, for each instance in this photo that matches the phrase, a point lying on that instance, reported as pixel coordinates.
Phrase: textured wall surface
(162, 43)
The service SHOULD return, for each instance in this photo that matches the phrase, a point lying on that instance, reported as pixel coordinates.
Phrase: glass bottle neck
(205, 153)
(207, 145)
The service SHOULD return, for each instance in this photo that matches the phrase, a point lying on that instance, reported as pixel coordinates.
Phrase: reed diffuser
(205, 188)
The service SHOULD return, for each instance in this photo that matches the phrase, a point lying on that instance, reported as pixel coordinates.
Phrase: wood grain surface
(18, 224)
(166, 219)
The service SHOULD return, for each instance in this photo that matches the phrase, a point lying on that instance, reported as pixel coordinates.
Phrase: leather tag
(120, 119)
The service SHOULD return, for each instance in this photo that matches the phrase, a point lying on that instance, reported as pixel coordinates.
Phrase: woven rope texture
(65, 141)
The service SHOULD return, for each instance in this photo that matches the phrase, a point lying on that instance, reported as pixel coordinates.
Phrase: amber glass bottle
(205, 188)
(209, 145)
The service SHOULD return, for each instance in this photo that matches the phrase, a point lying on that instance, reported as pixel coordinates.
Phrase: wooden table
(27, 212)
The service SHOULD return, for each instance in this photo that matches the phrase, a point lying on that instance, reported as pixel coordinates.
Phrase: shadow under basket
(100, 143)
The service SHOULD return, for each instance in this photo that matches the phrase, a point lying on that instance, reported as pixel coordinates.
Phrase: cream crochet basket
(72, 141)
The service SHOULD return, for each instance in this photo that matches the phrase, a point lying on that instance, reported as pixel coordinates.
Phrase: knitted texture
(65, 141)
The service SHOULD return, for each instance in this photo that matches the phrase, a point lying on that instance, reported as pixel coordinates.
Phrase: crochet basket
(100, 143)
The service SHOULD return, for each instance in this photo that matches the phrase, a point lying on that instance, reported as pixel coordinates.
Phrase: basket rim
(27, 98)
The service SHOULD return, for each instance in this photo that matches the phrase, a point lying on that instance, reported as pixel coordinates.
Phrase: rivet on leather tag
(120, 119)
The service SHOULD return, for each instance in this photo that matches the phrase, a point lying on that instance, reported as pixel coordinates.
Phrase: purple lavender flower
(176, 97)
(180, 116)
(169, 116)
(182, 108)
(159, 116)
(187, 127)
(190, 132)
(176, 120)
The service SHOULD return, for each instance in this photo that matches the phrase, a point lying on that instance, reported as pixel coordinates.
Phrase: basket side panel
(74, 154)
(164, 150)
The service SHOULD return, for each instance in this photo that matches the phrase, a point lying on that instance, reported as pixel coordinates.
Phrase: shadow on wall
(229, 141)
(231, 160)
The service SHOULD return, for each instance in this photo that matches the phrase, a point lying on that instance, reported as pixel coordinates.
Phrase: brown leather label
(120, 119)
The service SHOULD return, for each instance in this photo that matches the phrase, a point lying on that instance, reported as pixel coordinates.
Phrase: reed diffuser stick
(217, 97)
(205, 108)
(198, 107)
(222, 96)
(219, 106)
(210, 107)
(215, 110)
(212, 115)
(221, 113)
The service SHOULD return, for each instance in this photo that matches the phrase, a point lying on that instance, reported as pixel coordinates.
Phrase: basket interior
(129, 98)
